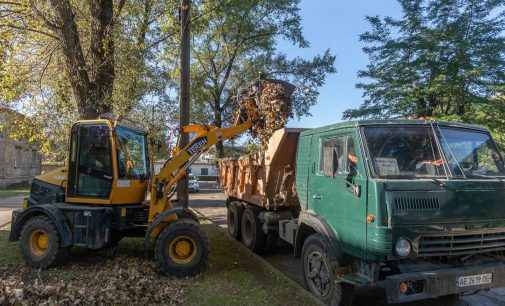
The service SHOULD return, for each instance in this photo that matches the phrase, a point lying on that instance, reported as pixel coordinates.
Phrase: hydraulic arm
(163, 184)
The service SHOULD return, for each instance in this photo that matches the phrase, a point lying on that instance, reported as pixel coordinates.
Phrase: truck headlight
(403, 247)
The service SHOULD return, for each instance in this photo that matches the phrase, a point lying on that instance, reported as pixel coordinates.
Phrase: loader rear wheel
(182, 249)
(253, 236)
(40, 243)
(234, 214)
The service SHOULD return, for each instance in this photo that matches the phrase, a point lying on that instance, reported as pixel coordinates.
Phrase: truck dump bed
(266, 178)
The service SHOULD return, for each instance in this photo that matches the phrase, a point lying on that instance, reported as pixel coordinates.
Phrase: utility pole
(185, 18)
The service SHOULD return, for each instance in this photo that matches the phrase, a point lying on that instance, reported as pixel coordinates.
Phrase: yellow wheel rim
(182, 249)
(39, 242)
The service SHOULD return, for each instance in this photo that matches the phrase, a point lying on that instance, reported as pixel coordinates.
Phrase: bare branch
(10, 3)
(29, 30)
(46, 65)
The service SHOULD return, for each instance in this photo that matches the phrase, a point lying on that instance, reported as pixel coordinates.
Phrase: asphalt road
(6, 207)
(211, 203)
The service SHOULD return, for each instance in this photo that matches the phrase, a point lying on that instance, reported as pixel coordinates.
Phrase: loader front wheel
(182, 249)
(40, 243)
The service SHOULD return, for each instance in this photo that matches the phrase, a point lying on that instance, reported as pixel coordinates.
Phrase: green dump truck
(415, 207)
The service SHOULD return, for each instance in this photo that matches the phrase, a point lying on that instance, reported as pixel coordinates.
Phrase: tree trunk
(102, 54)
(218, 122)
(92, 86)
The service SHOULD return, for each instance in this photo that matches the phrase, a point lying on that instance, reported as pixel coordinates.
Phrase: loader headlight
(403, 247)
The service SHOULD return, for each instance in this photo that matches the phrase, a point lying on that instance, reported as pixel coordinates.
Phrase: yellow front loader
(100, 197)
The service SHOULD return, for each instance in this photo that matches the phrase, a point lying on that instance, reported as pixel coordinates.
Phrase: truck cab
(414, 206)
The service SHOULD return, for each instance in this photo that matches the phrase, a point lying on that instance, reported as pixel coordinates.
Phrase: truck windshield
(471, 153)
(131, 154)
(404, 152)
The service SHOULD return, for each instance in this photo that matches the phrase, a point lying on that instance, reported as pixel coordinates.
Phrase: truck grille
(406, 204)
(464, 243)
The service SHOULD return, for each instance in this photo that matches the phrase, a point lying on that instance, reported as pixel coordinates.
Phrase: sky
(336, 25)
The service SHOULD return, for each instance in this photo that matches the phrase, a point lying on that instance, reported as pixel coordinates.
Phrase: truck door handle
(317, 197)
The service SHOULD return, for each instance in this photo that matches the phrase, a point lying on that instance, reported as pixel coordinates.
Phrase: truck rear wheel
(40, 243)
(319, 276)
(182, 249)
(252, 234)
(234, 214)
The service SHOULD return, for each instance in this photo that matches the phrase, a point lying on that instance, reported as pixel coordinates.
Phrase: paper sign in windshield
(387, 166)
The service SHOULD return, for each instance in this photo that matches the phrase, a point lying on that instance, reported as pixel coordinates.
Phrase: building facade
(205, 167)
(19, 161)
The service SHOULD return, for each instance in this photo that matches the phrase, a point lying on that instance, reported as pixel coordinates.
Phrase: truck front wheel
(318, 273)
(40, 243)
(253, 236)
(182, 249)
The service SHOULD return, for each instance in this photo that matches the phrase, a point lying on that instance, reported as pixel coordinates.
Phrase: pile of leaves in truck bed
(269, 106)
(124, 281)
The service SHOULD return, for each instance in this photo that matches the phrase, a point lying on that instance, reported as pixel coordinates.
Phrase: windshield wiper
(438, 182)
(478, 176)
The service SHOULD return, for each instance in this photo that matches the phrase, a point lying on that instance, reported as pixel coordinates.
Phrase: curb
(263, 261)
(4, 225)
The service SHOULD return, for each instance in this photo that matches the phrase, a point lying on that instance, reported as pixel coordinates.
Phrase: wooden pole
(185, 11)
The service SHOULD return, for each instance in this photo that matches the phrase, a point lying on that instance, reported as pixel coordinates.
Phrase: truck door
(337, 187)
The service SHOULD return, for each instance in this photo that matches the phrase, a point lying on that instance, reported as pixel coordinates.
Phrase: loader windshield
(132, 154)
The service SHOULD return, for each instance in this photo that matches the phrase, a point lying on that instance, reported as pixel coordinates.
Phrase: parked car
(193, 184)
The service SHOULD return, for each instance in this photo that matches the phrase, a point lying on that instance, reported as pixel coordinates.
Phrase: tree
(81, 38)
(234, 43)
(442, 58)
(122, 74)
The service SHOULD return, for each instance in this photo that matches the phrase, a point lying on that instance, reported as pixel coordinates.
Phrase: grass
(235, 276)
(7, 193)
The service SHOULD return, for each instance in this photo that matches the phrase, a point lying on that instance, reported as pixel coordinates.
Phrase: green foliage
(442, 58)
(490, 115)
(234, 42)
(33, 68)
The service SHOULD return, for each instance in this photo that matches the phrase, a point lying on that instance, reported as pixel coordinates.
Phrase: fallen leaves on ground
(122, 281)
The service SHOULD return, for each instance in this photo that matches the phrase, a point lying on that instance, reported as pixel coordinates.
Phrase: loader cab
(108, 164)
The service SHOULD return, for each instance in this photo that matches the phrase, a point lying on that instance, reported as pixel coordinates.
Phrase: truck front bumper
(436, 283)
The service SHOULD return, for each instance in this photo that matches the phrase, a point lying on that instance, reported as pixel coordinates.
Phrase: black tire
(187, 231)
(252, 234)
(318, 268)
(234, 217)
(35, 255)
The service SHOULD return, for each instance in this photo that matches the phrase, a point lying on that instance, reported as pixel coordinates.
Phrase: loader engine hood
(48, 187)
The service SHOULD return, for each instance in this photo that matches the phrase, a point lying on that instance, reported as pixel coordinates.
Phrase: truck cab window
(472, 154)
(404, 152)
(352, 159)
(332, 160)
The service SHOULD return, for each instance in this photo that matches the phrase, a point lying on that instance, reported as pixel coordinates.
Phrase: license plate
(475, 280)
